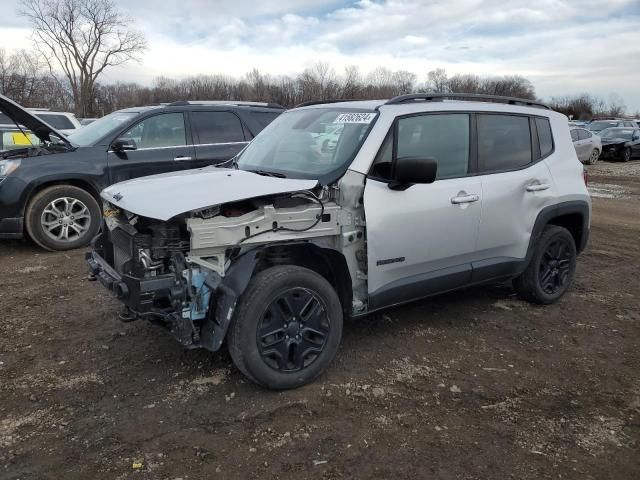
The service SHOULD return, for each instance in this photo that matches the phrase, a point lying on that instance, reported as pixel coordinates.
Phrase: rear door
(163, 145)
(218, 136)
(422, 240)
(516, 186)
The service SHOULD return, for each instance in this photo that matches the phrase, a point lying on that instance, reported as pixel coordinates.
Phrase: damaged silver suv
(338, 209)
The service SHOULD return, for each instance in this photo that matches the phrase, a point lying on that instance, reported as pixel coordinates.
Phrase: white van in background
(64, 122)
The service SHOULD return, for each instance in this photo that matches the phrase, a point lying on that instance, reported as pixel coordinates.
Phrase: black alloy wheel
(555, 266)
(550, 271)
(293, 330)
(286, 328)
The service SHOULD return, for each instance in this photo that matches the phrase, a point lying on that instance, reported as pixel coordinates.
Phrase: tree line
(27, 80)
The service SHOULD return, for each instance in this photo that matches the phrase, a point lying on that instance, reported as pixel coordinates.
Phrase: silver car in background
(587, 144)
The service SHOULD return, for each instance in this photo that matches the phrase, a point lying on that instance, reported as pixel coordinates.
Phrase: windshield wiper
(268, 174)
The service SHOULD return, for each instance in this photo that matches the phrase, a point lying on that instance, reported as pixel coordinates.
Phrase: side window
(164, 130)
(504, 142)
(574, 135)
(264, 118)
(443, 137)
(544, 136)
(60, 122)
(583, 135)
(216, 127)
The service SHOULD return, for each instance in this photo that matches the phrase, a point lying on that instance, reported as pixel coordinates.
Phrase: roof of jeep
(428, 105)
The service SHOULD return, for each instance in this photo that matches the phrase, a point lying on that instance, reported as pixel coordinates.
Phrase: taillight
(585, 176)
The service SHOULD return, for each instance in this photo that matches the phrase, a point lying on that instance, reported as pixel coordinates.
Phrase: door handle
(464, 198)
(538, 187)
(181, 158)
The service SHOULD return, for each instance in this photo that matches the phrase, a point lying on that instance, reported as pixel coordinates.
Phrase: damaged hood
(166, 195)
(30, 122)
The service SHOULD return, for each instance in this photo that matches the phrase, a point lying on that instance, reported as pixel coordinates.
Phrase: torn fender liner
(232, 286)
(166, 195)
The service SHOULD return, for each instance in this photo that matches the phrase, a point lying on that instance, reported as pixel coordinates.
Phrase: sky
(563, 46)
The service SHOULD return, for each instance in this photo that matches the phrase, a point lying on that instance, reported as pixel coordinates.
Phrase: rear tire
(593, 158)
(287, 327)
(62, 217)
(550, 271)
(626, 154)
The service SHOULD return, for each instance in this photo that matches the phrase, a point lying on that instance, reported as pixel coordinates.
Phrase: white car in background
(587, 144)
(63, 122)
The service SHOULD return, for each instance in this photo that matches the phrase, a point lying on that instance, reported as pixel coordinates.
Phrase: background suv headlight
(7, 167)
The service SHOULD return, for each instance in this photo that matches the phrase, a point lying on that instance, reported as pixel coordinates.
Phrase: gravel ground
(470, 385)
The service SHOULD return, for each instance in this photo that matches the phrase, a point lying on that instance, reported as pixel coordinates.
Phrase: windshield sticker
(355, 118)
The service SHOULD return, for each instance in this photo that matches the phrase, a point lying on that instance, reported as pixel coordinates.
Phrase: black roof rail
(320, 102)
(437, 97)
(238, 103)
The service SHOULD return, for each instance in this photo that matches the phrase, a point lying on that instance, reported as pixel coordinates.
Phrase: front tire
(287, 327)
(62, 217)
(593, 158)
(550, 271)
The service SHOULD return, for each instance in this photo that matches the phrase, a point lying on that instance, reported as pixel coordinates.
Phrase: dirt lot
(471, 385)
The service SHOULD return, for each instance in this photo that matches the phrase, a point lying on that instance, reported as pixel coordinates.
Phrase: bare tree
(438, 81)
(83, 38)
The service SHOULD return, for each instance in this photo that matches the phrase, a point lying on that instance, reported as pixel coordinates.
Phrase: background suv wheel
(593, 158)
(62, 217)
(287, 327)
(550, 271)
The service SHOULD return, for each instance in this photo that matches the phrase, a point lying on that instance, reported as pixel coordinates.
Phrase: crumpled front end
(143, 262)
(187, 273)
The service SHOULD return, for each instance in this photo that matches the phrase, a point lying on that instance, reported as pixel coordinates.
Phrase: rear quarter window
(545, 137)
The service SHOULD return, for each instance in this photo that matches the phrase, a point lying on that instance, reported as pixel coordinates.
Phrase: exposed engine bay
(188, 272)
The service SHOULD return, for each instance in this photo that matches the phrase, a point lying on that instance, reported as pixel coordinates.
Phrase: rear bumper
(11, 227)
(140, 295)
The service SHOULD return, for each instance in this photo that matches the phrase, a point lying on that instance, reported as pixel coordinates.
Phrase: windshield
(601, 125)
(93, 132)
(310, 143)
(624, 133)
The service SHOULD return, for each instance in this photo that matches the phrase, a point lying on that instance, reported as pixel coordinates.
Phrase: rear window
(60, 122)
(504, 142)
(544, 136)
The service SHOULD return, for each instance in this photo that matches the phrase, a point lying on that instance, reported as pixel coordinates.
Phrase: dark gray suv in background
(50, 187)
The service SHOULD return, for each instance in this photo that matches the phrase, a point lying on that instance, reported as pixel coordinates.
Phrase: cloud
(562, 46)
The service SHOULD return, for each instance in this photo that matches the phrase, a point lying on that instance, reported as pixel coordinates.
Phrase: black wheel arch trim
(548, 214)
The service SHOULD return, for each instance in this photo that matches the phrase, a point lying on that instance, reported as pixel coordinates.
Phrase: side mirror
(124, 144)
(411, 170)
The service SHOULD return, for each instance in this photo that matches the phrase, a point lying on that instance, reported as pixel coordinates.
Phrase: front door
(422, 240)
(162, 145)
(218, 136)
